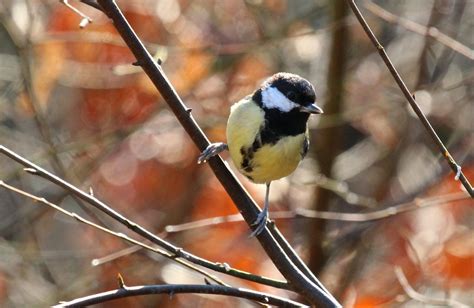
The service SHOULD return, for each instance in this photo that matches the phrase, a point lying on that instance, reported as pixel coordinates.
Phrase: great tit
(267, 132)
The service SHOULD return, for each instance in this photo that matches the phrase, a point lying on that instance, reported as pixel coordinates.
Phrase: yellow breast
(271, 161)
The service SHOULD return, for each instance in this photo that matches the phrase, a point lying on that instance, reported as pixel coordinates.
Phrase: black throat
(280, 124)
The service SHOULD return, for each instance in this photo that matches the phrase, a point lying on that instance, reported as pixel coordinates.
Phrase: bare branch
(420, 29)
(341, 189)
(423, 298)
(352, 217)
(459, 175)
(175, 251)
(173, 289)
(85, 19)
(108, 231)
(24, 48)
(115, 255)
(384, 213)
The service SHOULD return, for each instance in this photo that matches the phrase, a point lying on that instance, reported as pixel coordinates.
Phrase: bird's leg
(212, 150)
(261, 220)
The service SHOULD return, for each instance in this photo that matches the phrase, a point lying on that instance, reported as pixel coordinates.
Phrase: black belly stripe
(245, 164)
(248, 153)
(305, 149)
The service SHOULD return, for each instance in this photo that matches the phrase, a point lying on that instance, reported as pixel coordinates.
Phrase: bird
(267, 133)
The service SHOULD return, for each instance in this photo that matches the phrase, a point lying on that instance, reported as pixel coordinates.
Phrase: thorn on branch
(120, 281)
(271, 223)
(84, 22)
(452, 162)
(188, 110)
(179, 253)
(225, 266)
(458, 172)
(31, 170)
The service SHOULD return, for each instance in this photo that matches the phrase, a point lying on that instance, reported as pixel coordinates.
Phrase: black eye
(291, 95)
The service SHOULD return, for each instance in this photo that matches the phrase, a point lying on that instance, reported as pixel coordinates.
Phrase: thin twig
(115, 255)
(173, 289)
(420, 29)
(276, 247)
(459, 175)
(341, 189)
(448, 302)
(85, 19)
(384, 213)
(176, 251)
(24, 48)
(113, 233)
(327, 215)
(215, 48)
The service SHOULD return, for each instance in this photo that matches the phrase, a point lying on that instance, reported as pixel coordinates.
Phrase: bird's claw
(212, 150)
(260, 222)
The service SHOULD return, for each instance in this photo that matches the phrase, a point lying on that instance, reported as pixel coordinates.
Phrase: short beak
(311, 108)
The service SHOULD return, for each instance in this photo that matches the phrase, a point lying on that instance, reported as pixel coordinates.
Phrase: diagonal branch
(291, 267)
(85, 19)
(113, 233)
(25, 49)
(172, 289)
(176, 251)
(459, 175)
(402, 279)
(432, 32)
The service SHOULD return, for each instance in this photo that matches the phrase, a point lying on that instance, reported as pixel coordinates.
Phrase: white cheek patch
(273, 98)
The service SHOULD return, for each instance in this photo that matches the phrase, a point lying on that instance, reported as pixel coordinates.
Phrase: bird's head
(288, 93)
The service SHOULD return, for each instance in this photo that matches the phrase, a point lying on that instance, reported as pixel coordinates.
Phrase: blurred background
(71, 101)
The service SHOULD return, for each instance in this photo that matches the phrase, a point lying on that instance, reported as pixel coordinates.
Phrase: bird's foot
(260, 222)
(212, 150)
